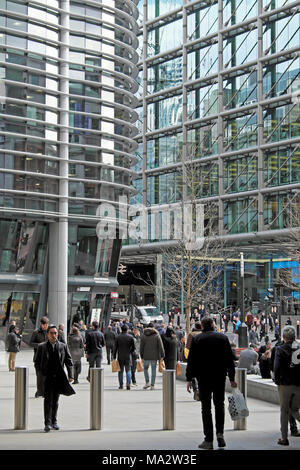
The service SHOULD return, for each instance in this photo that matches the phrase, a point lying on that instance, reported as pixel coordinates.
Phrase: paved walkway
(132, 419)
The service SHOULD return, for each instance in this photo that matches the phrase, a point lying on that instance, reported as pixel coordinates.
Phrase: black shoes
(47, 428)
(295, 433)
(128, 387)
(283, 442)
(55, 426)
(221, 441)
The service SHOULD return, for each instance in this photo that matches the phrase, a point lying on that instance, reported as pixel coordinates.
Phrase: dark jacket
(124, 348)
(76, 347)
(38, 336)
(13, 342)
(171, 347)
(94, 341)
(110, 337)
(210, 358)
(41, 363)
(151, 347)
(284, 372)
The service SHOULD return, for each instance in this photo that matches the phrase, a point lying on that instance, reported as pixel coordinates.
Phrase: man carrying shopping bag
(210, 360)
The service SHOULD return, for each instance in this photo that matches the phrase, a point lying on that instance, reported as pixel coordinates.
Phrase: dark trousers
(94, 359)
(109, 352)
(133, 371)
(51, 397)
(212, 390)
(77, 370)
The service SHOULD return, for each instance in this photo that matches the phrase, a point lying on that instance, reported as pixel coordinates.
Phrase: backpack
(295, 357)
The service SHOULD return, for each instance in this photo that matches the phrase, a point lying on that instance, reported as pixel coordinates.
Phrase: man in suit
(124, 348)
(110, 338)
(50, 359)
(210, 359)
(94, 342)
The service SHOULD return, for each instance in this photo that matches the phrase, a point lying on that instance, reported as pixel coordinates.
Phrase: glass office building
(67, 96)
(221, 87)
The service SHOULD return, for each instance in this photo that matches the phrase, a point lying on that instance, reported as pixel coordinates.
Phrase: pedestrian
(248, 360)
(136, 354)
(50, 359)
(39, 336)
(264, 360)
(249, 320)
(211, 376)
(61, 333)
(76, 348)
(195, 331)
(94, 342)
(287, 379)
(161, 329)
(292, 421)
(13, 346)
(253, 336)
(123, 350)
(152, 350)
(171, 347)
(110, 339)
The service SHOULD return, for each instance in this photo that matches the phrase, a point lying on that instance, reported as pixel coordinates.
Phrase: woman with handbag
(76, 347)
(171, 347)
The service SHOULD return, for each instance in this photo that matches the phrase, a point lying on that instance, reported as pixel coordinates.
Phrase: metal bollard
(241, 379)
(169, 399)
(96, 398)
(21, 397)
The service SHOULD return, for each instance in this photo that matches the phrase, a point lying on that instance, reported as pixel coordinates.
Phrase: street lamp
(242, 330)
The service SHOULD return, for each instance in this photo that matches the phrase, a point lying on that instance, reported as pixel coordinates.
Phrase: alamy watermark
(184, 221)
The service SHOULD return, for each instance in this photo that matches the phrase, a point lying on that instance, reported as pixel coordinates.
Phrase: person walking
(287, 379)
(152, 350)
(94, 342)
(13, 347)
(76, 348)
(110, 339)
(171, 347)
(195, 331)
(124, 349)
(50, 359)
(136, 354)
(39, 336)
(248, 360)
(210, 359)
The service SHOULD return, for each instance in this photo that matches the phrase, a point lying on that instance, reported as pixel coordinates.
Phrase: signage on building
(83, 289)
(114, 295)
(96, 312)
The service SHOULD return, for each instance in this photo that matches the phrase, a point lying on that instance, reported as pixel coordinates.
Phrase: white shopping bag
(237, 405)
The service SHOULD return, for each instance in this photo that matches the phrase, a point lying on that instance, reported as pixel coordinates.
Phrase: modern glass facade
(68, 75)
(221, 85)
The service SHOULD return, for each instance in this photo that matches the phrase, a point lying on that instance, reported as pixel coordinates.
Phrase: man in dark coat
(210, 359)
(50, 358)
(110, 339)
(94, 341)
(124, 348)
(13, 341)
(39, 336)
(287, 378)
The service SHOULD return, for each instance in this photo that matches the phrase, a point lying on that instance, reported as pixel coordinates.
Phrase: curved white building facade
(67, 99)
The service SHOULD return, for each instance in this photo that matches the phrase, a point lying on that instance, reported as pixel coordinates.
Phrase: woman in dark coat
(76, 347)
(171, 347)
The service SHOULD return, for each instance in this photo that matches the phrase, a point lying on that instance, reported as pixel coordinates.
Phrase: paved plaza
(133, 420)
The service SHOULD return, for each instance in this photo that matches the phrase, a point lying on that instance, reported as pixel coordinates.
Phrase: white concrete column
(58, 232)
